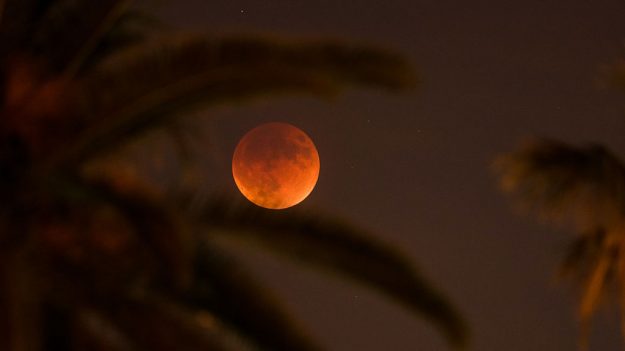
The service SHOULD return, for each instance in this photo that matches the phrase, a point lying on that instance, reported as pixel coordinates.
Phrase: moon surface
(275, 165)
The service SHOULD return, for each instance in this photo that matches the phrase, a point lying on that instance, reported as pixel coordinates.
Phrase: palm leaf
(140, 88)
(157, 227)
(18, 22)
(71, 29)
(130, 28)
(620, 271)
(94, 331)
(217, 284)
(155, 323)
(2, 6)
(593, 290)
(5, 304)
(24, 300)
(581, 253)
(585, 184)
(223, 287)
(341, 249)
(119, 91)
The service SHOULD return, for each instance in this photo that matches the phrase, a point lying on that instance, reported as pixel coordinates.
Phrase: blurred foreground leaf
(90, 259)
(338, 248)
(143, 87)
(585, 186)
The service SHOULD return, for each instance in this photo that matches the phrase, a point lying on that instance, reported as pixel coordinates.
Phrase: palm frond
(2, 5)
(165, 236)
(152, 322)
(140, 88)
(223, 286)
(593, 291)
(130, 28)
(93, 331)
(71, 29)
(18, 24)
(563, 182)
(24, 299)
(116, 268)
(582, 253)
(620, 271)
(56, 327)
(211, 282)
(585, 185)
(5, 304)
(340, 249)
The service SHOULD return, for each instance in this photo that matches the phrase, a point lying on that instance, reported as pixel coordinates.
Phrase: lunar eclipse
(275, 165)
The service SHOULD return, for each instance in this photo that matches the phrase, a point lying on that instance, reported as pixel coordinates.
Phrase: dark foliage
(94, 258)
(585, 186)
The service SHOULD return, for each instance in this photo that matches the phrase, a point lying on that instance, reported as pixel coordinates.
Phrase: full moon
(275, 165)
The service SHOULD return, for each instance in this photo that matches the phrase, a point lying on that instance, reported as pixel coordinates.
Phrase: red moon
(275, 165)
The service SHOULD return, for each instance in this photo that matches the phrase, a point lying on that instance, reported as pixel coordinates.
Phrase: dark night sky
(414, 168)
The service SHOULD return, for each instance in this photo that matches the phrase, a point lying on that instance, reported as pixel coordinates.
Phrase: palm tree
(584, 185)
(91, 258)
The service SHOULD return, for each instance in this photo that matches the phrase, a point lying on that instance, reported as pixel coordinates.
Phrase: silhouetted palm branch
(141, 87)
(86, 264)
(70, 31)
(585, 185)
(223, 286)
(337, 248)
(565, 182)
